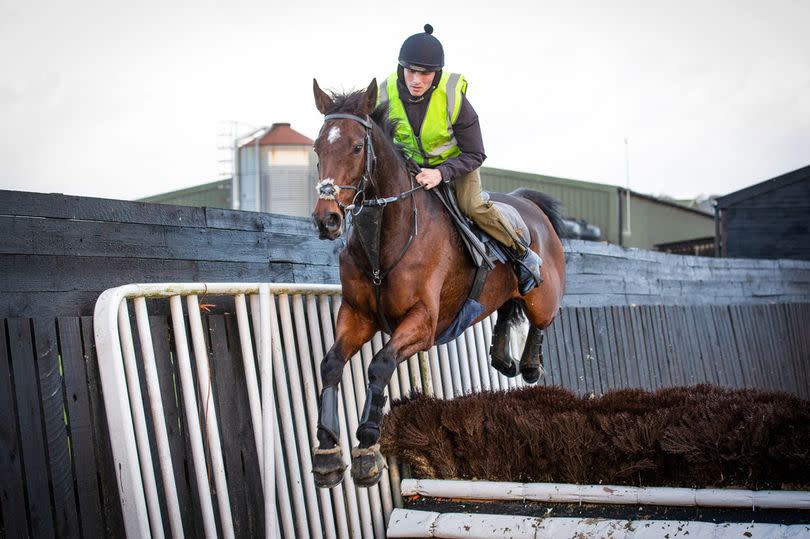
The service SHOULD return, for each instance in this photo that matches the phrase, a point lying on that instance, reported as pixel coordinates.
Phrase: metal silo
(275, 171)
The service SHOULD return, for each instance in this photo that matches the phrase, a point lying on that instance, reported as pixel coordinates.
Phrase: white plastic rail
(292, 328)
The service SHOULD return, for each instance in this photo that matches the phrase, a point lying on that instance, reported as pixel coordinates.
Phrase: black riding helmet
(422, 52)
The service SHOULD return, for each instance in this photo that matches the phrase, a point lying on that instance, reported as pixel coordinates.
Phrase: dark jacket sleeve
(467, 131)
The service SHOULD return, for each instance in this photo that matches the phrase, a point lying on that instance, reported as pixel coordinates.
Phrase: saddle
(485, 252)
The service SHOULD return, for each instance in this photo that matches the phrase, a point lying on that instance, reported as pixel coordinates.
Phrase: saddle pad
(514, 218)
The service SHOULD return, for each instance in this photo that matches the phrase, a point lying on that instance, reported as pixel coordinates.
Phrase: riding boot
(527, 267)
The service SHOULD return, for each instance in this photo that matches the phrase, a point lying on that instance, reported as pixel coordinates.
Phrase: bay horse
(404, 271)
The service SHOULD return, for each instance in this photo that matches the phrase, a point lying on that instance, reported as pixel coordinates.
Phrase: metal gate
(283, 332)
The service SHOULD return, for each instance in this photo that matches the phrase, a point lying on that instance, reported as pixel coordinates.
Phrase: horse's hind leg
(499, 352)
(531, 361)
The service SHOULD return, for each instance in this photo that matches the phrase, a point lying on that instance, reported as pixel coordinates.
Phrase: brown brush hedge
(700, 436)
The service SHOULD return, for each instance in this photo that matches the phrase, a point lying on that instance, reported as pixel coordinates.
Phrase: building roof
(278, 134)
(764, 187)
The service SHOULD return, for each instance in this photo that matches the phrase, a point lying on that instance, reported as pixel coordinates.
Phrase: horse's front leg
(352, 330)
(414, 333)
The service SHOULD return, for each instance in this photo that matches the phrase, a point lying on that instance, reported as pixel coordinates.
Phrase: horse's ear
(370, 98)
(322, 99)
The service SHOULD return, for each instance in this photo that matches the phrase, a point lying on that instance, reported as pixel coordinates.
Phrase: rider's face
(418, 82)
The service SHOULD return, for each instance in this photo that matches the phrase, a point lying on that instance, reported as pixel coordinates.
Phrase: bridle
(370, 223)
(328, 189)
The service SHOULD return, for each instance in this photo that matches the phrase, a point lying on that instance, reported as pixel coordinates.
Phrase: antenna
(627, 229)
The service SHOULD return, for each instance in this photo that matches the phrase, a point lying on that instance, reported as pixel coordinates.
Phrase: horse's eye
(358, 148)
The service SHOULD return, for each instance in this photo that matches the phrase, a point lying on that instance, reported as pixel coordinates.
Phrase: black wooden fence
(732, 323)
(56, 472)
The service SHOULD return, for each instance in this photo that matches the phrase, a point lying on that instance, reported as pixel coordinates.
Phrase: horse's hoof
(531, 374)
(507, 369)
(367, 465)
(327, 467)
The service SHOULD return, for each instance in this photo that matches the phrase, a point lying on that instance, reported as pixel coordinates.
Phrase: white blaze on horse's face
(333, 135)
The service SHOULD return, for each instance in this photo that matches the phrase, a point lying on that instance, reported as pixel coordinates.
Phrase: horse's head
(345, 156)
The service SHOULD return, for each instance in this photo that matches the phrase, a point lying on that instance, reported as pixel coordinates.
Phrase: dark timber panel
(12, 487)
(30, 420)
(58, 476)
(81, 426)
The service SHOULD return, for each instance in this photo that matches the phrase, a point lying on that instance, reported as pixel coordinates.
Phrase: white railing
(284, 331)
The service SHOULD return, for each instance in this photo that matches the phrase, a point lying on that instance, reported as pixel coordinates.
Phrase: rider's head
(420, 57)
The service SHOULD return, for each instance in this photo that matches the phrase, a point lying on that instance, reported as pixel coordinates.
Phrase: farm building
(767, 220)
(616, 215)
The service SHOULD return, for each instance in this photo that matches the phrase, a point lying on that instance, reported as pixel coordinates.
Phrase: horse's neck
(390, 178)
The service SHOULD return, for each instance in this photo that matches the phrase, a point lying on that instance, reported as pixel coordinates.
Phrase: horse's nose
(329, 226)
(332, 221)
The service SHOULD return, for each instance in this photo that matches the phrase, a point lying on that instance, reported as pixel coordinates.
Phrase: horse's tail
(549, 205)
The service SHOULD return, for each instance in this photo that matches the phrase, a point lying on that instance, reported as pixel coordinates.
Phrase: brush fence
(177, 390)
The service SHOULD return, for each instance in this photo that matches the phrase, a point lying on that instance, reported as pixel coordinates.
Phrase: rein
(369, 223)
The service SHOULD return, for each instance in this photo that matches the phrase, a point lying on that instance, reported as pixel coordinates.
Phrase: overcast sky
(127, 99)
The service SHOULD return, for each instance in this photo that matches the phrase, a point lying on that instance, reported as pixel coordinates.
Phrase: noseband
(327, 189)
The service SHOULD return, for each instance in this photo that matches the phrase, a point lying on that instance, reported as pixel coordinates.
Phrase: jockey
(438, 128)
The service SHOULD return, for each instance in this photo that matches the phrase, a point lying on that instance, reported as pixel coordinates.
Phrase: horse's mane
(349, 103)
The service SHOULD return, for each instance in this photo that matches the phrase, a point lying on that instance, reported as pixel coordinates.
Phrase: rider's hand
(429, 178)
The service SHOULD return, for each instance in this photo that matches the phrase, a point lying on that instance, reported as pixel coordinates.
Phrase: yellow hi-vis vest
(435, 142)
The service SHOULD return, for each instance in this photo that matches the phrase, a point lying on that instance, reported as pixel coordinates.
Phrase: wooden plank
(708, 359)
(697, 354)
(108, 485)
(577, 372)
(764, 333)
(62, 207)
(75, 287)
(81, 426)
(12, 486)
(728, 346)
(782, 341)
(620, 353)
(637, 331)
(604, 351)
(586, 357)
(595, 359)
(241, 461)
(675, 354)
(674, 346)
(551, 354)
(650, 338)
(87, 273)
(567, 379)
(792, 349)
(57, 443)
(757, 347)
(747, 324)
(660, 343)
(666, 346)
(32, 443)
(621, 315)
(131, 240)
(748, 369)
(258, 221)
(798, 321)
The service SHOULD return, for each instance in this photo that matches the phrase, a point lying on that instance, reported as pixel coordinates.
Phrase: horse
(404, 270)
